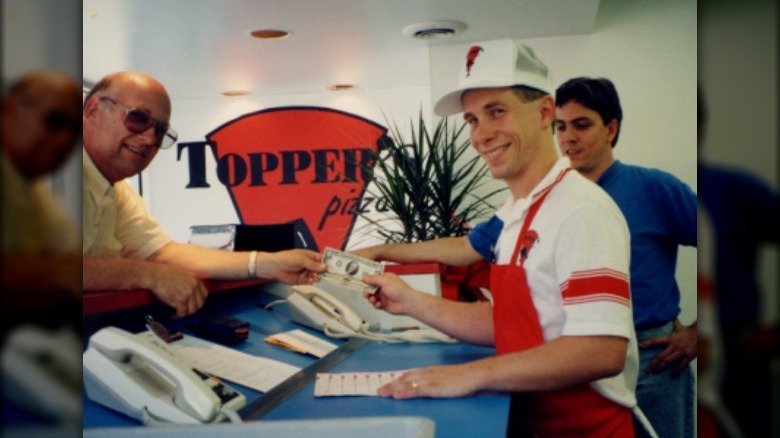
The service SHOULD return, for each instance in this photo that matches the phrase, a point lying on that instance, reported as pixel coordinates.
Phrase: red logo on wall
(307, 165)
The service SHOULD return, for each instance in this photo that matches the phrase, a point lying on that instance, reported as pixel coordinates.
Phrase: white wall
(178, 208)
(41, 34)
(648, 49)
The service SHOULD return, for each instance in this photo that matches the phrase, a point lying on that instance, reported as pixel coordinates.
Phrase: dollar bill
(347, 270)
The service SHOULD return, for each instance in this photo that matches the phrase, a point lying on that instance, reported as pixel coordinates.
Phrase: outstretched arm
(293, 267)
(454, 251)
(173, 273)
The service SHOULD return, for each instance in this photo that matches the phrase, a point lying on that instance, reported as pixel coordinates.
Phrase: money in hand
(348, 270)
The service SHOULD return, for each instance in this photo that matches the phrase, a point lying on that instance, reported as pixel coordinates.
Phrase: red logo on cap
(471, 57)
(309, 166)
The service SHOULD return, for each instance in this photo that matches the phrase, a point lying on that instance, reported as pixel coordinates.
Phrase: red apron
(578, 411)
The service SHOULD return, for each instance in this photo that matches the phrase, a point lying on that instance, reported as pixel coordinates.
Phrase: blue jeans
(666, 401)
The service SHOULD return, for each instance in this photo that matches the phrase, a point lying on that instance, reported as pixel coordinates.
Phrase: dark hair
(597, 94)
(528, 94)
(102, 84)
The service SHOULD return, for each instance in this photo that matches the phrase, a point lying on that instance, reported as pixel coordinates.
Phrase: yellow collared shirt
(116, 223)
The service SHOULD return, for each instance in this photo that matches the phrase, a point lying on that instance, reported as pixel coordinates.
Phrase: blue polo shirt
(661, 214)
(745, 214)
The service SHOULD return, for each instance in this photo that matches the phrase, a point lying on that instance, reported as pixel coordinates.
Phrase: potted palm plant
(431, 188)
(430, 185)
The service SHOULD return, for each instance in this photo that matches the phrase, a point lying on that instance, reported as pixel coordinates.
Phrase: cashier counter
(291, 409)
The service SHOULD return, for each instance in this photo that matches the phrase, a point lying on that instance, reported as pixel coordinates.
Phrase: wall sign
(306, 165)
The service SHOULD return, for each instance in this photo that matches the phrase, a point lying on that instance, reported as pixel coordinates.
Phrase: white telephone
(315, 308)
(42, 371)
(143, 379)
(320, 310)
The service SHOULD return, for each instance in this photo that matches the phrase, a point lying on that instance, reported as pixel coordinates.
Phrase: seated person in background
(41, 268)
(661, 214)
(560, 318)
(125, 123)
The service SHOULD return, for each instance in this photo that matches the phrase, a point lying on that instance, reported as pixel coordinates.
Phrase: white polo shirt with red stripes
(577, 266)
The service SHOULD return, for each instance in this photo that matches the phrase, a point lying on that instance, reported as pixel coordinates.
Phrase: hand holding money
(348, 270)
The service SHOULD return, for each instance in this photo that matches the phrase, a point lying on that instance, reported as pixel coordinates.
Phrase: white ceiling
(200, 48)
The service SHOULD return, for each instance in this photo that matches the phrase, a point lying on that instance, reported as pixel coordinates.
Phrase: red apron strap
(523, 246)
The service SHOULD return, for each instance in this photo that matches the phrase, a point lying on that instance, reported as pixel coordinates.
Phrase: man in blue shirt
(661, 214)
(744, 212)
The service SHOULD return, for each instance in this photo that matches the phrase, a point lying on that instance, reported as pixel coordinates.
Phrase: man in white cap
(560, 316)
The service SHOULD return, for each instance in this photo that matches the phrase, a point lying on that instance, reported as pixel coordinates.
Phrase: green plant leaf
(428, 183)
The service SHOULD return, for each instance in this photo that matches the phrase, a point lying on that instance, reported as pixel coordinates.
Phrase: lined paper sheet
(255, 372)
(351, 384)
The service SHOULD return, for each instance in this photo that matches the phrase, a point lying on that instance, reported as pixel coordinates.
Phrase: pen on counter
(402, 329)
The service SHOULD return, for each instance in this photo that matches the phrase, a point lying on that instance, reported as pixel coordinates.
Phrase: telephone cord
(336, 333)
(149, 420)
(411, 336)
(273, 303)
(231, 415)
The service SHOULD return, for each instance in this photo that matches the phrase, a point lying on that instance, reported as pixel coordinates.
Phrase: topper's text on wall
(283, 167)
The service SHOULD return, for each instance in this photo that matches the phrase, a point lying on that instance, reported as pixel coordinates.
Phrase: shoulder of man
(652, 179)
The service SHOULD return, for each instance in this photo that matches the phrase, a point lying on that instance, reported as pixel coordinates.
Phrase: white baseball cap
(496, 64)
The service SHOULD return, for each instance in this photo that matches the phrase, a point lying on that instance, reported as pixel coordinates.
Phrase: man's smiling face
(503, 130)
(118, 152)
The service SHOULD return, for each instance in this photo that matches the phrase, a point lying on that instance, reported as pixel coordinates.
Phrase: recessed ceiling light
(342, 87)
(269, 34)
(235, 93)
(434, 29)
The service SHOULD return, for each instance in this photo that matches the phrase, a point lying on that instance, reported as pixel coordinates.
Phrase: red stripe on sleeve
(583, 286)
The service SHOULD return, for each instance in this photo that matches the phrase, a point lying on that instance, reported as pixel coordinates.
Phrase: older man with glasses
(125, 124)
(39, 267)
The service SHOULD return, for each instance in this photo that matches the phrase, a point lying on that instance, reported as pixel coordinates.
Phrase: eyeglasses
(138, 121)
(56, 120)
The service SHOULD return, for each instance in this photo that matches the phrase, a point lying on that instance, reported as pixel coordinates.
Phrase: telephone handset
(142, 378)
(315, 308)
(42, 371)
(318, 309)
